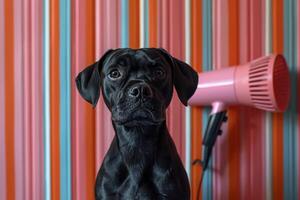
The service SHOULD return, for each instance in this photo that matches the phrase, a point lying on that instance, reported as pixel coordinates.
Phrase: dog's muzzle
(140, 91)
(139, 106)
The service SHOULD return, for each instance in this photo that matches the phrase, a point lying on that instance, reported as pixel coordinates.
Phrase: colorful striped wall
(52, 142)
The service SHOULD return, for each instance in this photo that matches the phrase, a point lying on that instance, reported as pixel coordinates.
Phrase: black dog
(142, 161)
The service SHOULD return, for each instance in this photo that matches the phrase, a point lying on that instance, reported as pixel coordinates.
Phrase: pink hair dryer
(263, 83)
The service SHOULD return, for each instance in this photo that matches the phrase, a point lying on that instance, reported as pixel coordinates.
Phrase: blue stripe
(124, 23)
(65, 123)
(290, 116)
(207, 65)
(46, 96)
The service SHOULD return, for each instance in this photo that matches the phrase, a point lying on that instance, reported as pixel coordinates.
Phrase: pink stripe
(245, 137)
(99, 24)
(164, 29)
(27, 101)
(107, 18)
(37, 100)
(177, 46)
(171, 37)
(2, 107)
(19, 106)
(255, 120)
(163, 33)
(220, 59)
(79, 180)
(252, 152)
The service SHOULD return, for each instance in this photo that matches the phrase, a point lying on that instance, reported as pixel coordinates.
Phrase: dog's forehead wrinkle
(137, 59)
(117, 56)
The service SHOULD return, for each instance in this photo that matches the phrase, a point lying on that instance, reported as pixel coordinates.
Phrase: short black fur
(137, 85)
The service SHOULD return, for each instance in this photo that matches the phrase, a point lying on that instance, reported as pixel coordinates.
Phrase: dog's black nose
(140, 90)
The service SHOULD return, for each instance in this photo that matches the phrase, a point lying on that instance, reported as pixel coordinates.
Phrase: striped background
(52, 142)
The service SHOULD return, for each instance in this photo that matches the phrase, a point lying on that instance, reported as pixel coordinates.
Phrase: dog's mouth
(139, 116)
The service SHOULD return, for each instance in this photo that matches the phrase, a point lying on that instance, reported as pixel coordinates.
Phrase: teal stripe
(297, 93)
(146, 23)
(290, 116)
(46, 96)
(65, 100)
(207, 65)
(124, 24)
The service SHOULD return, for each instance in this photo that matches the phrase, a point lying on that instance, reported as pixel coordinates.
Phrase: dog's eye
(114, 74)
(159, 73)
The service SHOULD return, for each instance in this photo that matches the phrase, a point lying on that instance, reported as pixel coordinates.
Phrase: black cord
(200, 184)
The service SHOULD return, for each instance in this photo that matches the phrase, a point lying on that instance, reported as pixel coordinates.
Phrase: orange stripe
(9, 98)
(196, 58)
(54, 99)
(233, 130)
(134, 39)
(153, 23)
(90, 112)
(277, 15)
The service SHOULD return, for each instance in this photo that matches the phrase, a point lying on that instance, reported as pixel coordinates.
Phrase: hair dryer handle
(213, 130)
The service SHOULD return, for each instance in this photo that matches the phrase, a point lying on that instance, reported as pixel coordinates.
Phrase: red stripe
(233, 114)
(277, 26)
(153, 23)
(2, 105)
(90, 113)
(134, 24)
(196, 58)
(9, 98)
(54, 99)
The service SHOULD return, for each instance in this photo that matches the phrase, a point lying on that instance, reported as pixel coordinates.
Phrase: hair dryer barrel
(263, 83)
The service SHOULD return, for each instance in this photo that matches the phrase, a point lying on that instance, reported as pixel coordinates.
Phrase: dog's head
(137, 84)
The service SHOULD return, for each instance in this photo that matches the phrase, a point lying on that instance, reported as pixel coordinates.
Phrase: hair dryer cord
(213, 130)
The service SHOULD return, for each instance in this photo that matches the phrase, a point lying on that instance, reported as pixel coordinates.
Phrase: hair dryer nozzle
(267, 85)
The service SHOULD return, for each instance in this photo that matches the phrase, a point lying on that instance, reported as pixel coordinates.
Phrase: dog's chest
(139, 160)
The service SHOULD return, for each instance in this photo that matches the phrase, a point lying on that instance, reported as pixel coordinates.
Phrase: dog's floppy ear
(185, 78)
(88, 81)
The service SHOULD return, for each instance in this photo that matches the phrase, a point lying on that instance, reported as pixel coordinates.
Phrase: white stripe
(47, 99)
(187, 18)
(268, 116)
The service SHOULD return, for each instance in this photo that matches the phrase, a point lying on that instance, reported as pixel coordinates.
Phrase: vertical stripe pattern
(52, 142)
